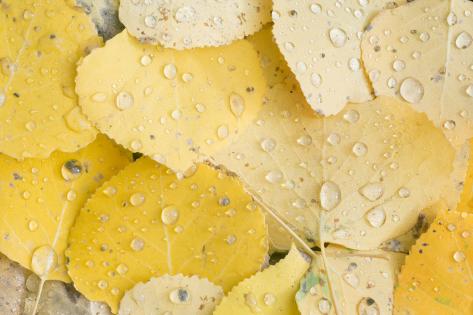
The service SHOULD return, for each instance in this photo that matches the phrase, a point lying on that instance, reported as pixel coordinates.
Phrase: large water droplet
(463, 40)
(124, 100)
(372, 191)
(411, 90)
(338, 37)
(180, 296)
(324, 306)
(169, 215)
(137, 244)
(376, 217)
(43, 260)
(268, 144)
(367, 306)
(137, 199)
(330, 195)
(71, 170)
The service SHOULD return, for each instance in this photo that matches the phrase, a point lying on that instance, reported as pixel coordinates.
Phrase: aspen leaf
(145, 223)
(19, 287)
(182, 24)
(362, 283)
(104, 14)
(357, 178)
(270, 291)
(327, 63)
(40, 200)
(174, 106)
(177, 295)
(421, 52)
(437, 276)
(41, 44)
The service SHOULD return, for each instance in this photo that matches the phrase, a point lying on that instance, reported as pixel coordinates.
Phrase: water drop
(459, 256)
(376, 217)
(372, 191)
(299, 203)
(32, 225)
(99, 97)
(43, 260)
(237, 104)
(399, 65)
(411, 90)
(315, 8)
(146, 60)
(324, 306)
(124, 100)
(359, 149)
(268, 144)
(180, 296)
(351, 279)
(102, 284)
(269, 299)
(184, 14)
(137, 244)
(176, 114)
(150, 21)
(200, 107)
(222, 131)
(304, 140)
(469, 90)
(424, 36)
(367, 306)
(351, 116)
(231, 239)
(252, 303)
(463, 40)
(274, 176)
(316, 79)
(333, 138)
(451, 19)
(71, 195)
(354, 64)
(71, 170)
(404, 192)
(169, 215)
(449, 124)
(122, 269)
(137, 199)
(170, 71)
(30, 125)
(109, 191)
(338, 37)
(330, 195)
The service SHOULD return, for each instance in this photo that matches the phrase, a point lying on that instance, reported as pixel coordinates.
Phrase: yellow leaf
(41, 44)
(437, 278)
(357, 178)
(182, 24)
(321, 43)
(466, 199)
(421, 52)
(176, 107)
(41, 198)
(268, 292)
(272, 62)
(144, 222)
(177, 295)
(362, 283)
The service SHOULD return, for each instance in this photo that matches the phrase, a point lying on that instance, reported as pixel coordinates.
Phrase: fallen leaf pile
(236, 157)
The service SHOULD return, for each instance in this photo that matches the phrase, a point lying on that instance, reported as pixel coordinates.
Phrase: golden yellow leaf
(357, 178)
(144, 222)
(321, 43)
(421, 52)
(41, 44)
(272, 62)
(40, 200)
(177, 295)
(437, 278)
(182, 24)
(174, 106)
(361, 282)
(270, 291)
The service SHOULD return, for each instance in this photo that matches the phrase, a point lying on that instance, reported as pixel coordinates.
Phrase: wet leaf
(41, 44)
(19, 287)
(40, 200)
(270, 291)
(327, 63)
(357, 178)
(156, 101)
(177, 295)
(362, 283)
(145, 223)
(421, 53)
(437, 276)
(104, 14)
(182, 24)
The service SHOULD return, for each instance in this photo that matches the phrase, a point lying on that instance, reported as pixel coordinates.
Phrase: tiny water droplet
(269, 299)
(330, 195)
(351, 116)
(324, 306)
(351, 279)
(150, 21)
(463, 40)
(71, 170)
(124, 100)
(411, 90)
(268, 144)
(274, 176)
(137, 244)
(110, 191)
(372, 191)
(169, 215)
(376, 217)
(459, 256)
(359, 149)
(180, 296)
(170, 71)
(32, 225)
(338, 37)
(122, 269)
(137, 199)
(237, 104)
(146, 60)
(304, 140)
(367, 306)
